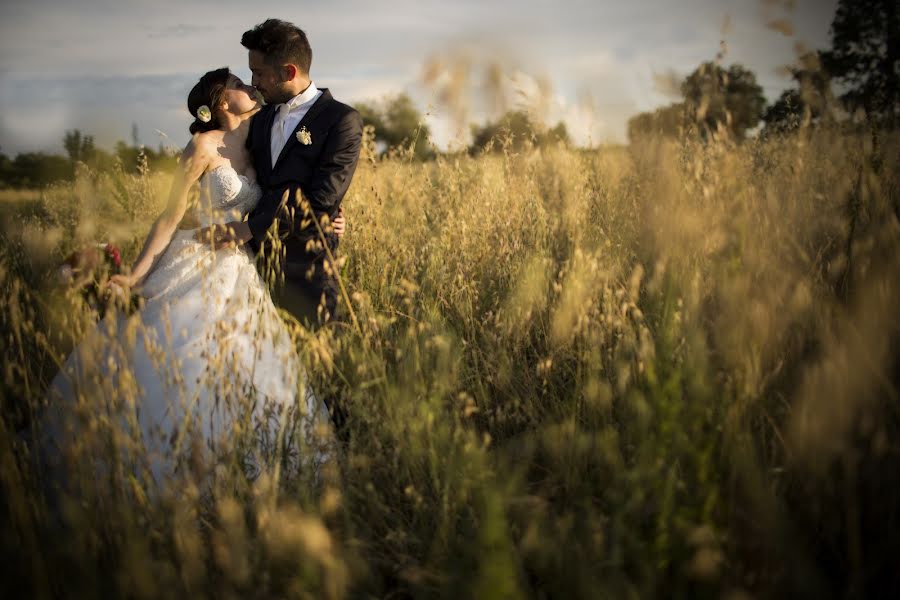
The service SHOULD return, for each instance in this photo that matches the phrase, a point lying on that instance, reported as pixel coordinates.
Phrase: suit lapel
(308, 118)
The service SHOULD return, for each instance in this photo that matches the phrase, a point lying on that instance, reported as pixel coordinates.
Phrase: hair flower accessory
(304, 136)
(204, 114)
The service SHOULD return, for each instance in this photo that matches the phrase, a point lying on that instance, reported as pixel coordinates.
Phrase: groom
(304, 145)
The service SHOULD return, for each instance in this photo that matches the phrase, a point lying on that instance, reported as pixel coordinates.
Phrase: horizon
(590, 65)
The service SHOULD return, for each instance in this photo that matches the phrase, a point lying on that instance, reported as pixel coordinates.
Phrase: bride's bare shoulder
(199, 152)
(207, 141)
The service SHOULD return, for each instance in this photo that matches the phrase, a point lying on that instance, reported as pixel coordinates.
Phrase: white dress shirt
(289, 115)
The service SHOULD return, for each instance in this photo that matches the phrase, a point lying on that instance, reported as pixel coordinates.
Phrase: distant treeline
(39, 169)
(395, 123)
(399, 127)
(853, 84)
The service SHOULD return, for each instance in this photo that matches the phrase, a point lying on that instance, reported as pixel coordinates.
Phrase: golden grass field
(668, 370)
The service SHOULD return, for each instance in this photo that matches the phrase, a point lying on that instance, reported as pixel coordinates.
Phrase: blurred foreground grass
(665, 371)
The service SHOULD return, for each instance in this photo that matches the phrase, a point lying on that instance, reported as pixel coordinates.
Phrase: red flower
(113, 254)
(87, 270)
(89, 261)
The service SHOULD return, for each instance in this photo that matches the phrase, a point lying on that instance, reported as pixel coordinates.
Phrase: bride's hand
(122, 284)
(125, 281)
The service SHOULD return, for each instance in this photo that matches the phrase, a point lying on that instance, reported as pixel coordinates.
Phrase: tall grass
(666, 371)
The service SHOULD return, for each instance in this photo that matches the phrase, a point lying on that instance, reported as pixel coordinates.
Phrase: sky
(106, 66)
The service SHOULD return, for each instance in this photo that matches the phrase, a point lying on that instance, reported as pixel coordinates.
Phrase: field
(668, 370)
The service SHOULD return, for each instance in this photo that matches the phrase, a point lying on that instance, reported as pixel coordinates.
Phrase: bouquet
(89, 270)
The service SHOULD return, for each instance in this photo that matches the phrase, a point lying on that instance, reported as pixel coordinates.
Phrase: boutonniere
(304, 136)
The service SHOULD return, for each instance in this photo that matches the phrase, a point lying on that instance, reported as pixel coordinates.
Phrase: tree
(515, 129)
(786, 114)
(807, 104)
(371, 116)
(5, 172)
(668, 121)
(557, 135)
(715, 97)
(72, 144)
(88, 150)
(129, 156)
(79, 147)
(398, 124)
(36, 169)
(865, 57)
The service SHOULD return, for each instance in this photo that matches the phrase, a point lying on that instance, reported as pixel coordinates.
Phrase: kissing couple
(208, 354)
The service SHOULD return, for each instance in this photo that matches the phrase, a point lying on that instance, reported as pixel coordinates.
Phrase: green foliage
(668, 121)
(39, 169)
(398, 125)
(516, 130)
(864, 60)
(35, 169)
(865, 57)
(809, 104)
(786, 114)
(714, 100)
(135, 158)
(717, 98)
(80, 148)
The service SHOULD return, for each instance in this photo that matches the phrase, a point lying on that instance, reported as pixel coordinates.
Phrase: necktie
(279, 136)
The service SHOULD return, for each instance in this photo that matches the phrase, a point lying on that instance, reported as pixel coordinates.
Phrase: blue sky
(102, 65)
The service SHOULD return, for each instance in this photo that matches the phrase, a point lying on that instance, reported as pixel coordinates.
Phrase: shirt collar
(303, 97)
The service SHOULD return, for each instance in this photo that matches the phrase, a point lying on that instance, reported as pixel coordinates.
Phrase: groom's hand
(339, 225)
(229, 235)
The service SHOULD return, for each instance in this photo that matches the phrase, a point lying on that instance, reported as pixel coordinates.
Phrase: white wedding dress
(206, 358)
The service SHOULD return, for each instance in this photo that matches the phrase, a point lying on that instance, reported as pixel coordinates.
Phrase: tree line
(397, 124)
(857, 77)
(856, 81)
(38, 169)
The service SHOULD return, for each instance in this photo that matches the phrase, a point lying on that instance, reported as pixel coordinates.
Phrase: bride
(208, 358)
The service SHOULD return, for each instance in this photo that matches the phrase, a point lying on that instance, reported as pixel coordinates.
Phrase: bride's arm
(193, 163)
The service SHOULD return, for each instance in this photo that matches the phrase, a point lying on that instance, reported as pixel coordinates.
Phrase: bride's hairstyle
(280, 42)
(207, 92)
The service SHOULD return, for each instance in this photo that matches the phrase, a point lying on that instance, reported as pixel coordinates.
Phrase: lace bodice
(225, 195)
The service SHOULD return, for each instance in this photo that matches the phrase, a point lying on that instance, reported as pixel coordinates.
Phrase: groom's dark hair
(280, 42)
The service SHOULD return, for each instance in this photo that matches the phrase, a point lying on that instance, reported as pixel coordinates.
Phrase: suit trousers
(313, 306)
(306, 304)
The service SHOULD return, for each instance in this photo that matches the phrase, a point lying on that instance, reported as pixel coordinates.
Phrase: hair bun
(205, 94)
(199, 126)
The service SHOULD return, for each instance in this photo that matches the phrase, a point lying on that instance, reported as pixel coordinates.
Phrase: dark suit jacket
(320, 171)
